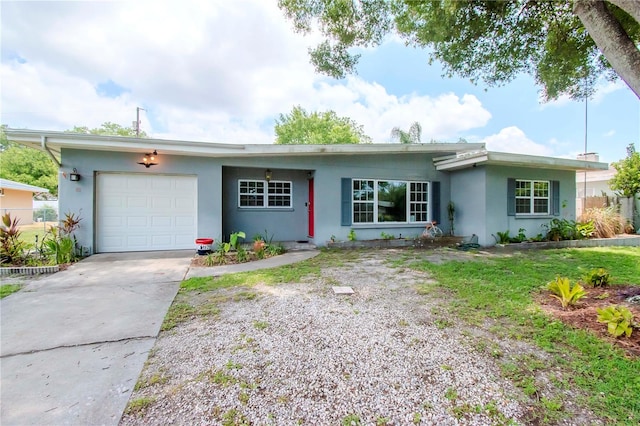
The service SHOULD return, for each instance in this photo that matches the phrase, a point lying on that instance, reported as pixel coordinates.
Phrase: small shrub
(12, 248)
(211, 260)
(275, 249)
(503, 237)
(598, 277)
(607, 222)
(242, 255)
(352, 235)
(585, 229)
(561, 229)
(386, 236)
(619, 320)
(566, 293)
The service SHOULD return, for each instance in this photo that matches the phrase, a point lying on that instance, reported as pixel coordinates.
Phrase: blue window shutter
(347, 194)
(435, 201)
(511, 197)
(555, 194)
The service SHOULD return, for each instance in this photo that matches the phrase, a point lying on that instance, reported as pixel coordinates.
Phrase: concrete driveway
(74, 343)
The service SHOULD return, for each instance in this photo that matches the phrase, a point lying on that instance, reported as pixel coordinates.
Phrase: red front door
(310, 206)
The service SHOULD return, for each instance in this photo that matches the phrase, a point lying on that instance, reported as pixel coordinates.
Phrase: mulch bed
(584, 315)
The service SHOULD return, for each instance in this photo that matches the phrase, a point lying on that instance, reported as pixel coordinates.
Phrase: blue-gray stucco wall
(327, 172)
(480, 196)
(78, 197)
(468, 193)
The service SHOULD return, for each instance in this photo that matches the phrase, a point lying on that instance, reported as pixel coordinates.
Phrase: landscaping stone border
(620, 240)
(447, 241)
(29, 270)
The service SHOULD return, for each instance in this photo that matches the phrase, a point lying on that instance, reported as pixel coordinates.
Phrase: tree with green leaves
(320, 128)
(626, 182)
(108, 128)
(565, 45)
(412, 136)
(27, 165)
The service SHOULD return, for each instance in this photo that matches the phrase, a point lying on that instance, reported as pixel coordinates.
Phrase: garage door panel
(136, 202)
(161, 221)
(145, 212)
(184, 222)
(183, 240)
(162, 202)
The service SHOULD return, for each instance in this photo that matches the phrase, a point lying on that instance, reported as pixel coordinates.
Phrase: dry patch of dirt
(584, 315)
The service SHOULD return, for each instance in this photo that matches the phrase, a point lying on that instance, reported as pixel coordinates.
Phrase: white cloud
(609, 134)
(512, 139)
(216, 71)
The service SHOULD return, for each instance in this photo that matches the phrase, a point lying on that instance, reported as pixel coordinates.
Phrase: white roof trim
(17, 186)
(481, 158)
(56, 141)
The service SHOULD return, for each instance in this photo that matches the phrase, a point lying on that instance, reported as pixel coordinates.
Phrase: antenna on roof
(136, 124)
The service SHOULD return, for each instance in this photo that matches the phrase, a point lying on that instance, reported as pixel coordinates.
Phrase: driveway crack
(126, 339)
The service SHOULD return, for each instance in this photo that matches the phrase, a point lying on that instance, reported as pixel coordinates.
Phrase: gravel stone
(300, 354)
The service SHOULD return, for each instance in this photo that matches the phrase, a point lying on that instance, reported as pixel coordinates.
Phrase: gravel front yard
(299, 354)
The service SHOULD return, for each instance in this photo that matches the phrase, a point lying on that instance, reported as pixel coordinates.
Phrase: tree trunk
(632, 7)
(612, 40)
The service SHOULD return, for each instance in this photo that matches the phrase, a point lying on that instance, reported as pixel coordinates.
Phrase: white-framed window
(389, 201)
(263, 194)
(533, 197)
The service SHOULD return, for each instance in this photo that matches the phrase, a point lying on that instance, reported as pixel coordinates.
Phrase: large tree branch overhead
(632, 7)
(614, 43)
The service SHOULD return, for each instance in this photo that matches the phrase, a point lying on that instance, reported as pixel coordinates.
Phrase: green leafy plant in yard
(586, 229)
(12, 248)
(566, 293)
(521, 237)
(242, 255)
(275, 249)
(233, 241)
(60, 245)
(598, 277)
(619, 320)
(386, 236)
(211, 259)
(352, 235)
(503, 237)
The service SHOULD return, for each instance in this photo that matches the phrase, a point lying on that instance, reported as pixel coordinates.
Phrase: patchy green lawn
(498, 292)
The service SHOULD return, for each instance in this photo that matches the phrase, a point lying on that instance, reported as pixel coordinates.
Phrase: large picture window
(532, 197)
(389, 201)
(263, 194)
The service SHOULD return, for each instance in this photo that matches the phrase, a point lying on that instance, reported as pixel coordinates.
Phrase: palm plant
(411, 136)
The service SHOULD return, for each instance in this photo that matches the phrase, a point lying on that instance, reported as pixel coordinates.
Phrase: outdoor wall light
(74, 176)
(149, 158)
(268, 175)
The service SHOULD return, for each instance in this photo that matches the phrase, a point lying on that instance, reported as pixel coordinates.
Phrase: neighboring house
(17, 199)
(296, 192)
(593, 190)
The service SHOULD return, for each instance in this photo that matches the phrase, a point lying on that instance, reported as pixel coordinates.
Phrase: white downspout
(43, 143)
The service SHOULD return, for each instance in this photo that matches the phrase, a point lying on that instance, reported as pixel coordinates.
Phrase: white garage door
(139, 212)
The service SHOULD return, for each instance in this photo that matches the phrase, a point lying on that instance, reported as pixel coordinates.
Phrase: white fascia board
(519, 160)
(19, 186)
(58, 140)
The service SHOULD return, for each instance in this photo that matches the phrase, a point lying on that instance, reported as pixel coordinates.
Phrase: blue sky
(222, 71)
